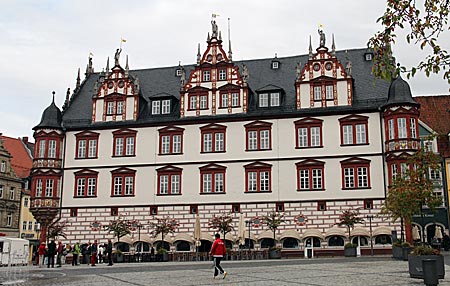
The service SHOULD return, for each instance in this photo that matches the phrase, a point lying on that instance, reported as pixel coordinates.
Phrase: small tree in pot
(119, 227)
(273, 220)
(349, 218)
(222, 223)
(163, 226)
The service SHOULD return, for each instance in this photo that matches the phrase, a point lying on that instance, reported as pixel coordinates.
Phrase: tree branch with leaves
(273, 220)
(119, 227)
(222, 223)
(349, 218)
(163, 226)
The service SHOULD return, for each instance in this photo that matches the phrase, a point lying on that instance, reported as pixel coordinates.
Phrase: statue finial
(53, 93)
(117, 57)
(322, 36)
(220, 36)
(198, 54)
(310, 48)
(298, 71)
(245, 74)
(208, 38)
(214, 29)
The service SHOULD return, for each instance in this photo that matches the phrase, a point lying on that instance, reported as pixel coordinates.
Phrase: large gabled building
(309, 135)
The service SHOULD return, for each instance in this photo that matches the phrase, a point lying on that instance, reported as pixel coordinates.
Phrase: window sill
(84, 197)
(122, 196)
(309, 147)
(164, 195)
(169, 154)
(351, 145)
(123, 156)
(256, 150)
(311, 190)
(258, 192)
(212, 152)
(86, 158)
(213, 193)
(356, 188)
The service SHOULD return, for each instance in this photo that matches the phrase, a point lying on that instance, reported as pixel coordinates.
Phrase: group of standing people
(91, 253)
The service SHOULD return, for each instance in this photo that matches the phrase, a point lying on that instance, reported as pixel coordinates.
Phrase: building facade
(310, 136)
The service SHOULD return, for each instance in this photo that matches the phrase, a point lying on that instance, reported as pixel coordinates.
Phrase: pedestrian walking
(109, 248)
(94, 253)
(51, 252)
(75, 253)
(218, 250)
(101, 249)
(41, 252)
(59, 254)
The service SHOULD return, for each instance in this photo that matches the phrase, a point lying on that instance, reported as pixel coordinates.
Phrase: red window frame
(115, 98)
(193, 209)
(42, 136)
(323, 89)
(124, 133)
(44, 177)
(87, 136)
(169, 171)
(354, 120)
(212, 169)
(153, 210)
(310, 165)
(197, 95)
(170, 131)
(235, 208)
(114, 211)
(355, 163)
(258, 167)
(321, 205)
(85, 174)
(308, 123)
(279, 207)
(213, 129)
(123, 173)
(258, 126)
(368, 204)
(73, 212)
(397, 161)
(203, 75)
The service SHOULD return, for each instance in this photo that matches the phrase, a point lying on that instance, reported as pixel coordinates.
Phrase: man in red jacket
(218, 250)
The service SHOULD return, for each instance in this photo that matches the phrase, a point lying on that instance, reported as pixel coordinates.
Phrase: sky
(43, 43)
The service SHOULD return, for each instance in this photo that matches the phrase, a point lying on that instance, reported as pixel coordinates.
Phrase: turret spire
(333, 46)
(198, 53)
(53, 93)
(127, 69)
(67, 102)
(230, 53)
(77, 86)
(310, 48)
(107, 66)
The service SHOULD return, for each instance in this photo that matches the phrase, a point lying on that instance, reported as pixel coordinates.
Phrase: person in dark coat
(94, 253)
(51, 254)
(109, 248)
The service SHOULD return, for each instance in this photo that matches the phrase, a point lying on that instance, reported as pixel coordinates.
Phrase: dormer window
(161, 106)
(206, 75)
(3, 166)
(156, 107)
(368, 56)
(271, 99)
(275, 65)
(222, 74)
(179, 72)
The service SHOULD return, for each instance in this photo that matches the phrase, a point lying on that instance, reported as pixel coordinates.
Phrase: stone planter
(415, 265)
(118, 257)
(350, 252)
(274, 254)
(162, 257)
(397, 252)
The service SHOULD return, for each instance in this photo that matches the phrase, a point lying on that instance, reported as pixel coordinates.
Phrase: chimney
(25, 139)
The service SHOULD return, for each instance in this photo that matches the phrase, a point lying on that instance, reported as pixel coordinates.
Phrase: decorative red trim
(213, 129)
(170, 131)
(355, 163)
(354, 120)
(258, 126)
(212, 169)
(124, 134)
(310, 165)
(259, 168)
(308, 123)
(123, 173)
(85, 174)
(169, 171)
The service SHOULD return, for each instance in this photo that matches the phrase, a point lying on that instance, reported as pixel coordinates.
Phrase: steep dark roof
(51, 117)
(400, 92)
(368, 92)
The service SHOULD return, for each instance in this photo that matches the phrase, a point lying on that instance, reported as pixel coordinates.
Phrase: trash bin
(429, 269)
(309, 253)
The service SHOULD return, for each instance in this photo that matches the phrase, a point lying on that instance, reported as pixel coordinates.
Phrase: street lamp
(249, 223)
(370, 217)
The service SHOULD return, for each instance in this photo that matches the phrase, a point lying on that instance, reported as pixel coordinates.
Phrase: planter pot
(350, 252)
(397, 252)
(118, 257)
(275, 254)
(162, 257)
(415, 265)
(405, 253)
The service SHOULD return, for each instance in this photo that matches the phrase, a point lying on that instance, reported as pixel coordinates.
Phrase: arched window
(142, 247)
(383, 239)
(267, 242)
(183, 245)
(164, 245)
(205, 246)
(290, 242)
(122, 246)
(314, 241)
(228, 244)
(335, 240)
(360, 241)
(247, 243)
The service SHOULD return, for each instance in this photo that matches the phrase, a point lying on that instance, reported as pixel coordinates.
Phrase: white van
(14, 251)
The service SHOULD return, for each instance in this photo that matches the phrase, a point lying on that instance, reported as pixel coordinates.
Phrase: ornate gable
(323, 81)
(215, 86)
(116, 94)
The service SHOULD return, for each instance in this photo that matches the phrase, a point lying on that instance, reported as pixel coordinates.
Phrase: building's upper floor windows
(3, 166)
(402, 126)
(310, 175)
(1, 191)
(355, 173)
(229, 98)
(198, 101)
(258, 136)
(222, 74)
(48, 146)
(354, 130)
(123, 182)
(124, 143)
(258, 177)
(114, 105)
(25, 202)
(87, 143)
(212, 179)
(49, 187)
(271, 99)
(161, 106)
(206, 75)
(309, 133)
(213, 138)
(171, 140)
(12, 193)
(169, 180)
(85, 184)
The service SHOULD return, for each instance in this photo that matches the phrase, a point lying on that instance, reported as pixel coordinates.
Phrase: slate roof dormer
(51, 117)
(399, 93)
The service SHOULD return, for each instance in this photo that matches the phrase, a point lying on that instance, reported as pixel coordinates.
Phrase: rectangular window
(280, 207)
(207, 142)
(219, 144)
(42, 149)
(218, 183)
(193, 102)
(81, 183)
(49, 188)
(81, 149)
(275, 99)
(348, 134)
(302, 137)
(252, 140)
(252, 181)
(25, 202)
(110, 108)
(368, 204)
(207, 183)
(114, 211)
(394, 171)
(318, 92)
(235, 99)
(360, 133)
(412, 125)
(317, 179)
(176, 144)
(117, 186)
(39, 188)
(156, 107)
(24, 225)
(9, 219)
(92, 148)
(73, 212)
(224, 101)
(91, 187)
(391, 129)
(203, 102)
(321, 206)
(175, 184)
(264, 139)
(264, 181)
(264, 100)
(130, 146)
(30, 225)
(315, 136)
(236, 208)
(222, 74)
(119, 107)
(363, 178)
(206, 75)
(52, 148)
(329, 92)
(153, 210)
(165, 109)
(119, 147)
(11, 194)
(165, 144)
(401, 125)
(3, 167)
(304, 180)
(129, 186)
(349, 178)
(164, 184)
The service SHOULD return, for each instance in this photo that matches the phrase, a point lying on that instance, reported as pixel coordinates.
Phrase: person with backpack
(75, 252)
(218, 251)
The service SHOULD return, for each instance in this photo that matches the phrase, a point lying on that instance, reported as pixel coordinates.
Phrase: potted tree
(222, 224)
(163, 226)
(349, 218)
(420, 253)
(119, 227)
(272, 221)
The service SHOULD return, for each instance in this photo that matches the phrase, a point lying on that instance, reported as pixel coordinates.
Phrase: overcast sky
(43, 43)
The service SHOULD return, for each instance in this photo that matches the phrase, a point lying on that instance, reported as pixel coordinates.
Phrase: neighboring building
(308, 135)
(10, 189)
(21, 161)
(435, 113)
